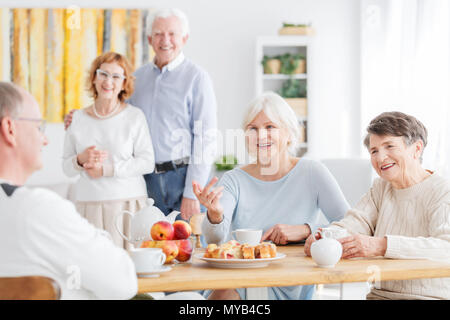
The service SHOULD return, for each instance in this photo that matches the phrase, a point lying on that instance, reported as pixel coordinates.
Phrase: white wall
(222, 40)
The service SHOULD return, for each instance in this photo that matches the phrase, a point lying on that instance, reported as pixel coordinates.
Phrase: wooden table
(295, 269)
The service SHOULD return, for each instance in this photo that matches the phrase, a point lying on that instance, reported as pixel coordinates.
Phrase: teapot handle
(323, 234)
(119, 230)
(314, 234)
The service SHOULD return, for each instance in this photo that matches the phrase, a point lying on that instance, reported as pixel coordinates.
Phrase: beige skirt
(102, 214)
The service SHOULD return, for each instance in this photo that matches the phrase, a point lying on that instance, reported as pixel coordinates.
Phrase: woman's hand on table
(358, 245)
(285, 233)
(210, 199)
(309, 241)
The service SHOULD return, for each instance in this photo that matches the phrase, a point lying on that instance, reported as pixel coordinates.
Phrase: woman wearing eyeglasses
(108, 145)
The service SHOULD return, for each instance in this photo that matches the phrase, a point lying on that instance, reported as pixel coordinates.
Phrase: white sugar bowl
(326, 252)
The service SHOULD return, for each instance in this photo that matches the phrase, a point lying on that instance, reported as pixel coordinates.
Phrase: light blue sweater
(294, 199)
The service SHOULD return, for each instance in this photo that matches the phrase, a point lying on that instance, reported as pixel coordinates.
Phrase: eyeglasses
(103, 75)
(42, 122)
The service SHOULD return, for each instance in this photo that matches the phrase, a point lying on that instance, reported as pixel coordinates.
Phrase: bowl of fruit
(173, 238)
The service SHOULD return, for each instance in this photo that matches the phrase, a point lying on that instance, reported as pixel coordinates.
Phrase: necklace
(107, 115)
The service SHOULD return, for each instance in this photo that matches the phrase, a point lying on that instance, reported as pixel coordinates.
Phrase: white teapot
(142, 221)
(327, 251)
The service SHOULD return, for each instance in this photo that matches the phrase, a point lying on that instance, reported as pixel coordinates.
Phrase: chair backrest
(29, 288)
(354, 176)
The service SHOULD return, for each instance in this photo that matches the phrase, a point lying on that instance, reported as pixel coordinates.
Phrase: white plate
(154, 273)
(239, 263)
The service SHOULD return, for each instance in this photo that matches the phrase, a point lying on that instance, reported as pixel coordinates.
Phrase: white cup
(250, 236)
(147, 259)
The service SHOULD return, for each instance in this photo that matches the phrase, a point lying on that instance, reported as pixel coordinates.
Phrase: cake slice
(248, 252)
(265, 250)
(210, 250)
(226, 252)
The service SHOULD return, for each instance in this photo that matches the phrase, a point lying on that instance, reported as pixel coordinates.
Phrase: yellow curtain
(49, 51)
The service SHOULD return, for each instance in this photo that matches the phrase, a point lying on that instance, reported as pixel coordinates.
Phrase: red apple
(184, 250)
(182, 230)
(162, 230)
(169, 248)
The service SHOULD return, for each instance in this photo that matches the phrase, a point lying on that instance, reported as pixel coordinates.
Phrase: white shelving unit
(278, 45)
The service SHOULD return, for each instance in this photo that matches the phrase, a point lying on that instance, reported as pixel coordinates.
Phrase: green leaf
(226, 162)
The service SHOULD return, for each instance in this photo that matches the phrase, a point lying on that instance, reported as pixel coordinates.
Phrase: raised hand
(210, 199)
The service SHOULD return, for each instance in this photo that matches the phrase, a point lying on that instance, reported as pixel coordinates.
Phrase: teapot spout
(172, 216)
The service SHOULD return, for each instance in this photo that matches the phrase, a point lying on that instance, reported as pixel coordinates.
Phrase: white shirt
(42, 234)
(126, 137)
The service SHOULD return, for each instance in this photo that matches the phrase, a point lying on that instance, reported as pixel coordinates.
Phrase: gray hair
(397, 124)
(11, 100)
(278, 111)
(166, 13)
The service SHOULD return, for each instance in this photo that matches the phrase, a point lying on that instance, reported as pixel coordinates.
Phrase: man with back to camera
(41, 233)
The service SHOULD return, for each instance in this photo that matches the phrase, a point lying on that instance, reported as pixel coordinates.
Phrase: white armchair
(354, 176)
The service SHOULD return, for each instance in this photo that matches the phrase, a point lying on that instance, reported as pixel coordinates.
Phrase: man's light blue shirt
(180, 106)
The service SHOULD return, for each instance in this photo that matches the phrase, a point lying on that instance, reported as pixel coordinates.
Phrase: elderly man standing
(40, 233)
(178, 100)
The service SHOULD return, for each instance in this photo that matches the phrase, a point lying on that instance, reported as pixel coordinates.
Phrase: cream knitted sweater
(416, 223)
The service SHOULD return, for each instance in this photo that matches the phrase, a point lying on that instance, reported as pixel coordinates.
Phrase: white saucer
(239, 263)
(153, 273)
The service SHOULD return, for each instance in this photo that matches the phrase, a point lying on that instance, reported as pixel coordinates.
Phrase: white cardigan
(416, 223)
(127, 139)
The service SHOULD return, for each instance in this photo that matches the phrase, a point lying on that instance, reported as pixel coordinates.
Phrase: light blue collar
(172, 64)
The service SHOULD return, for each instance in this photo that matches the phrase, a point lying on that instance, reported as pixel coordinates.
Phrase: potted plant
(292, 63)
(294, 92)
(296, 29)
(271, 65)
(226, 162)
(300, 62)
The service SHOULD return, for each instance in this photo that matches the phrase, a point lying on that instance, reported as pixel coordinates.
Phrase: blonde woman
(109, 146)
(279, 193)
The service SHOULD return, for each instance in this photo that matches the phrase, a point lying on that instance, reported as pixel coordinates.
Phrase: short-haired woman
(280, 193)
(108, 144)
(406, 213)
